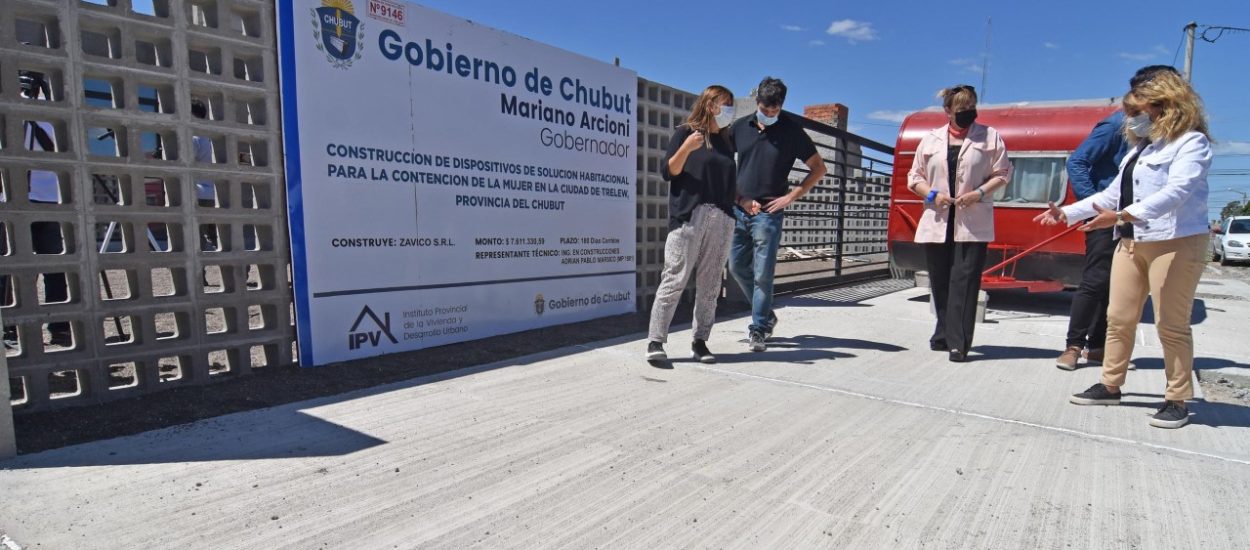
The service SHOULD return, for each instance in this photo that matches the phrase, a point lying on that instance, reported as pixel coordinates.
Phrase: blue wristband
(932, 195)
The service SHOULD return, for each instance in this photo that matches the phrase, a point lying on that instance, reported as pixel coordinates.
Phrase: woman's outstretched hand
(1052, 216)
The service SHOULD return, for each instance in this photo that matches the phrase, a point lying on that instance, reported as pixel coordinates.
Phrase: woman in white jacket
(1159, 207)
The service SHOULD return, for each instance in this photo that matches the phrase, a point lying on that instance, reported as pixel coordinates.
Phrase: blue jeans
(753, 261)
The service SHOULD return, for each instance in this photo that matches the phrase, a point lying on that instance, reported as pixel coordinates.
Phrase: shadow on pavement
(284, 432)
(1202, 412)
(829, 342)
(1200, 363)
(1011, 352)
(806, 349)
(797, 356)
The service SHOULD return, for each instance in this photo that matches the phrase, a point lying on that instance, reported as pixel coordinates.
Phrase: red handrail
(907, 217)
(1029, 250)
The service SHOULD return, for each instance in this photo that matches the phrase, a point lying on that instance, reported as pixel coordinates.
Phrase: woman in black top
(699, 164)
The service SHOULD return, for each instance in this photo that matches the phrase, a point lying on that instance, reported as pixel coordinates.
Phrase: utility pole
(985, 59)
(1189, 50)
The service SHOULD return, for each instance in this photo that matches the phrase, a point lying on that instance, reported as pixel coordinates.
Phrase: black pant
(955, 275)
(1087, 326)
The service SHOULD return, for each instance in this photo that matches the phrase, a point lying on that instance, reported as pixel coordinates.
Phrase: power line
(1178, 48)
(1222, 29)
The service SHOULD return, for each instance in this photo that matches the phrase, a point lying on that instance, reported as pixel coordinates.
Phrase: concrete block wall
(660, 109)
(167, 287)
(176, 262)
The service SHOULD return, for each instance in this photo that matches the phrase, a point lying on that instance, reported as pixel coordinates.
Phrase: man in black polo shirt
(768, 143)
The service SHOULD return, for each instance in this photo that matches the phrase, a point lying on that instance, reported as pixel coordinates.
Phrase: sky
(885, 59)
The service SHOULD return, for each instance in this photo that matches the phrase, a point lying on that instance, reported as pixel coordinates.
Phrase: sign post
(448, 181)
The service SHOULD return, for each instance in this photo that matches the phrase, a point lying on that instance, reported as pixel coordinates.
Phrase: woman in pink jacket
(956, 170)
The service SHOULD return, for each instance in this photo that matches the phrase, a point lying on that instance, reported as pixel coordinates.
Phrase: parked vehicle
(1232, 240)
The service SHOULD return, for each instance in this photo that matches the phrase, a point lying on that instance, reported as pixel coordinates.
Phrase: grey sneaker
(769, 332)
(757, 341)
(1172, 415)
(700, 352)
(655, 352)
(1097, 394)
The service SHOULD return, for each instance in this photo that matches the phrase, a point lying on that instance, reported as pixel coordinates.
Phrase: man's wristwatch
(1119, 218)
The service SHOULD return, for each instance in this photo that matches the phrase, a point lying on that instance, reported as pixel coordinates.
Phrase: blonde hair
(959, 94)
(1181, 108)
(705, 108)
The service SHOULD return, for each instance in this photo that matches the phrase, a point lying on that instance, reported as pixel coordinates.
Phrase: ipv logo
(357, 338)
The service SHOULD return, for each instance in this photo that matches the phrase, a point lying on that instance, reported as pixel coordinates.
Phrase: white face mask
(725, 117)
(1139, 125)
(765, 120)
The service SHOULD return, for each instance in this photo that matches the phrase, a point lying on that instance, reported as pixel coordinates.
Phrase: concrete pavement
(847, 433)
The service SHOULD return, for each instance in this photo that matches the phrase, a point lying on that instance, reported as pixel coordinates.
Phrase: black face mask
(964, 119)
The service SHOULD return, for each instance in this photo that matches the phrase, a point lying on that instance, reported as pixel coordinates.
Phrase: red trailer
(1039, 137)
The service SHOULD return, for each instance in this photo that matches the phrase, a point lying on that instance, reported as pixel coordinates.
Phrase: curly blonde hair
(1181, 107)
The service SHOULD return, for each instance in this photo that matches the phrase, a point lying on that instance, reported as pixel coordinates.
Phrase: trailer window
(1035, 180)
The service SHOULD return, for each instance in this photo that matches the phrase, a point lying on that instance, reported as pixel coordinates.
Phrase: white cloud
(853, 31)
(1231, 148)
(1050, 45)
(1154, 53)
(968, 65)
(791, 28)
(889, 116)
(816, 43)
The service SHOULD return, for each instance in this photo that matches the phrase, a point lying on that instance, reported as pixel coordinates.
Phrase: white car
(1232, 240)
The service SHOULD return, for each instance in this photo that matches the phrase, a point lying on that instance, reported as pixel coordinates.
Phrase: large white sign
(448, 181)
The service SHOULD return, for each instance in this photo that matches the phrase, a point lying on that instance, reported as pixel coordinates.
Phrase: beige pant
(1169, 271)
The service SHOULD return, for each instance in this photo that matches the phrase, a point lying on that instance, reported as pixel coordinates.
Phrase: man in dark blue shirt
(768, 142)
(1092, 167)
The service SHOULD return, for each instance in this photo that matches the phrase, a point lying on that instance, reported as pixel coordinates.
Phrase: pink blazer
(981, 158)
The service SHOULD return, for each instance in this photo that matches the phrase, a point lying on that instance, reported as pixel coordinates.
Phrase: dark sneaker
(655, 352)
(756, 341)
(1097, 394)
(939, 346)
(699, 350)
(1067, 360)
(768, 333)
(1172, 415)
(957, 356)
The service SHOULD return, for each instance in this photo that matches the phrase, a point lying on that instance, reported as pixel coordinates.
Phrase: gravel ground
(1226, 388)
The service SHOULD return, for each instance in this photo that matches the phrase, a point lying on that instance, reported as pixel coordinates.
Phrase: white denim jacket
(1169, 190)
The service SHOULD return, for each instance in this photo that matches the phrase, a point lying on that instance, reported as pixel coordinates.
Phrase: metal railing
(836, 234)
